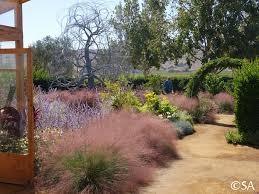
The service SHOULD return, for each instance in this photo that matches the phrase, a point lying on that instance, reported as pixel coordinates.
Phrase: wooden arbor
(16, 72)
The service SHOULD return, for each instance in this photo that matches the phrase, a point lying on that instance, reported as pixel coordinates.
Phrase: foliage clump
(95, 171)
(144, 29)
(120, 96)
(214, 84)
(246, 92)
(163, 108)
(234, 137)
(154, 83)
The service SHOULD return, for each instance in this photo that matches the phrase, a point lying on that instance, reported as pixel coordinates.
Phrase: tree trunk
(89, 69)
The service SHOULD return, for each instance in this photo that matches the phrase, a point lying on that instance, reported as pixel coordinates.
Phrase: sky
(42, 17)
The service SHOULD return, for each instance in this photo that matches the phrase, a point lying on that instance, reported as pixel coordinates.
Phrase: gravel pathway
(209, 165)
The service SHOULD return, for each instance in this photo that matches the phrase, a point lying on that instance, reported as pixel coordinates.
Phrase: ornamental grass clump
(59, 114)
(183, 102)
(96, 171)
(114, 154)
(225, 102)
(201, 109)
(76, 98)
(205, 112)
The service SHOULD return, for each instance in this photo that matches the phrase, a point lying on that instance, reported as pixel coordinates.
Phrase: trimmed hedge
(212, 66)
(179, 83)
(246, 94)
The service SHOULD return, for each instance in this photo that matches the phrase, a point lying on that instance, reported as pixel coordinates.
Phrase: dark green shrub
(137, 81)
(246, 95)
(154, 83)
(179, 83)
(229, 86)
(214, 84)
(40, 74)
(41, 78)
(95, 172)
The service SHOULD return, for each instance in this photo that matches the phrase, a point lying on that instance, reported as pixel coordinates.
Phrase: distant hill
(182, 66)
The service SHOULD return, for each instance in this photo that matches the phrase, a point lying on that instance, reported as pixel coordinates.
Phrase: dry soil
(208, 165)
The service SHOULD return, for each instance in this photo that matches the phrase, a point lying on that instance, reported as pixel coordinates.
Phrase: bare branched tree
(87, 25)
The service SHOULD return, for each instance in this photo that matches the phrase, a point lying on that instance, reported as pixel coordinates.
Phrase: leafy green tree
(144, 30)
(54, 55)
(215, 28)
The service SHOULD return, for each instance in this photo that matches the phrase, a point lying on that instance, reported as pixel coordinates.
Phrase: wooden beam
(8, 5)
(9, 33)
(13, 51)
(9, 37)
(15, 1)
(7, 29)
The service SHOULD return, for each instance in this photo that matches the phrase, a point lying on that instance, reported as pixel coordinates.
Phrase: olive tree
(54, 55)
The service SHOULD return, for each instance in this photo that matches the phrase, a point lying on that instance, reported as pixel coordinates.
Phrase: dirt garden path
(208, 165)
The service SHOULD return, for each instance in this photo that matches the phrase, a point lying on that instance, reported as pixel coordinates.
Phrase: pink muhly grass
(59, 114)
(225, 102)
(75, 98)
(223, 97)
(202, 109)
(183, 102)
(207, 108)
(144, 141)
(203, 95)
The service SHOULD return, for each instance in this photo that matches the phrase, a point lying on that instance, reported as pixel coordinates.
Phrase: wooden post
(19, 168)
(19, 59)
(31, 124)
